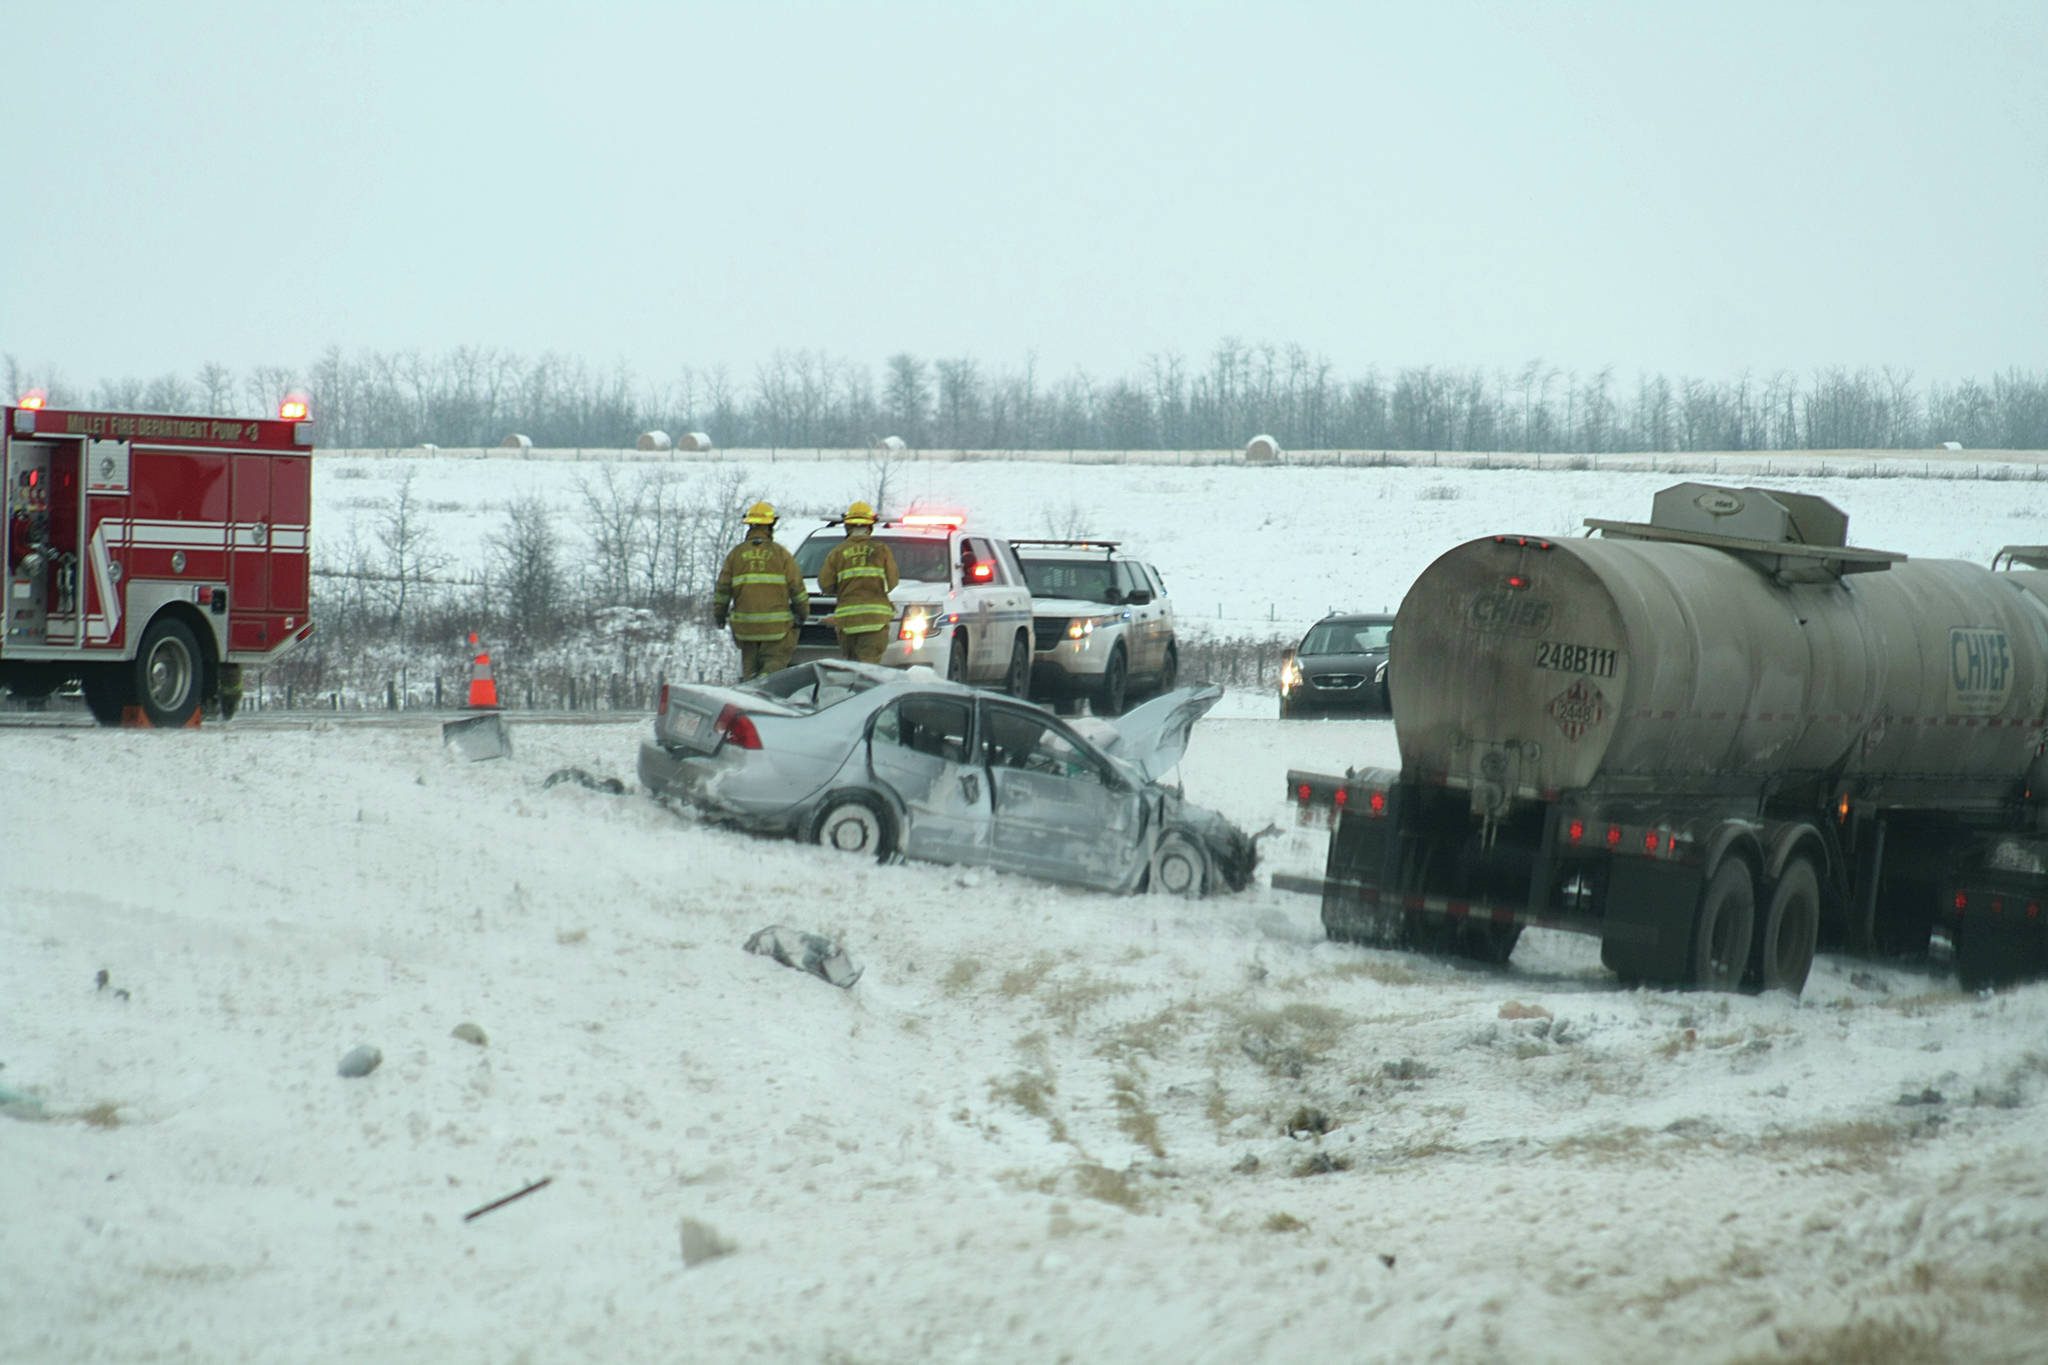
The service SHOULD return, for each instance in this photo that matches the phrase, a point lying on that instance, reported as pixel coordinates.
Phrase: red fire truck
(151, 558)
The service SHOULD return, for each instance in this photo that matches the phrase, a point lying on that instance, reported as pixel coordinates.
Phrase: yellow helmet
(860, 514)
(760, 514)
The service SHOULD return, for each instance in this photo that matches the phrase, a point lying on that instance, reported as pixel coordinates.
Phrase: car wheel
(1110, 697)
(1179, 866)
(956, 660)
(1018, 681)
(855, 823)
(1169, 672)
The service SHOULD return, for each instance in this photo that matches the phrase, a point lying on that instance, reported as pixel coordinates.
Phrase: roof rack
(1070, 544)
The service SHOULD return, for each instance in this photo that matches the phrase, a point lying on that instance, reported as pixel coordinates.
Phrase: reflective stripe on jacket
(862, 571)
(761, 589)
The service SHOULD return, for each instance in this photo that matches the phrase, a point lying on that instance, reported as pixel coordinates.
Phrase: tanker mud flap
(1646, 930)
(1364, 864)
(478, 737)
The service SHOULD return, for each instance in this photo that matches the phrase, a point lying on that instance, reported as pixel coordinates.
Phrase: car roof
(1071, 554)
(1358, 618)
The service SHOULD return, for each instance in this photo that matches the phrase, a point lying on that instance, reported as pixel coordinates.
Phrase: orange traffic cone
(482, 690)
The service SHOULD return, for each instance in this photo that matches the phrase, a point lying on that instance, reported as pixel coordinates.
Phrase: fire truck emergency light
(292, 409)
(34, 398)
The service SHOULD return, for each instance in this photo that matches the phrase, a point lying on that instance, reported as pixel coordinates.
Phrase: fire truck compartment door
(249, 553)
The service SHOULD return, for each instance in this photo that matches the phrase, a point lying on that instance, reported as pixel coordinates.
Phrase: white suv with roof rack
(962, 605)
(1102, 625)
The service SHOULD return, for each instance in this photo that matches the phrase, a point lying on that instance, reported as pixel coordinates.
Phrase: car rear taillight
(737, 728)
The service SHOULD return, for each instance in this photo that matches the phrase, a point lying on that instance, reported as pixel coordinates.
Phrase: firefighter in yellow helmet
(761, 592)
(862, 571)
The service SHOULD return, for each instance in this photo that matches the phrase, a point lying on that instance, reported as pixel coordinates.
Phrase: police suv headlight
(917, 623)
(1083, 626)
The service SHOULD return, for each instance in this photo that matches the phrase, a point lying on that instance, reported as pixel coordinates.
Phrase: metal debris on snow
(813, 953)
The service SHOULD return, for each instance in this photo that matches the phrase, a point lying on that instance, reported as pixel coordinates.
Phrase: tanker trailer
(1715, 740)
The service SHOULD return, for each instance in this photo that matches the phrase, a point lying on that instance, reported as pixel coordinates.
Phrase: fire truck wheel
(1721, 927)
(108, 691)
(168, 673)
(1783, 952)
(230, 694)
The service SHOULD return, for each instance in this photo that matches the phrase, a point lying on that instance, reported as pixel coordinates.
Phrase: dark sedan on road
(1339, 666)
(884, 763)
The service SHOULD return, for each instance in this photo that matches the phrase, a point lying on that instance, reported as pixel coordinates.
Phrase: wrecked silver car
(879, 762)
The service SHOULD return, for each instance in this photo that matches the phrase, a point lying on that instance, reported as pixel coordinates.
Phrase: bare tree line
(475, 396)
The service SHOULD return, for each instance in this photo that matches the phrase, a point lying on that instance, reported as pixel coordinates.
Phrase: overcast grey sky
(1697, 188)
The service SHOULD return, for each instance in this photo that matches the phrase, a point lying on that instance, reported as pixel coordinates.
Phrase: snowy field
(1045, 1125)
(1245, 550)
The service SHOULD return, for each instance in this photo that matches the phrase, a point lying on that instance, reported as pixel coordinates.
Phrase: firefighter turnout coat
(861, 570)
(760, 590)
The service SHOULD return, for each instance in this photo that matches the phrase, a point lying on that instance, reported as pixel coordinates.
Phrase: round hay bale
(516, 442)
(1262, 450)
(654, 440)
(693, 440)
(890, 444)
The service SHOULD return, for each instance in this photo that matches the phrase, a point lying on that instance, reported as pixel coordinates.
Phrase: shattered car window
(930, 725)
(814, 686)
(1016, 740)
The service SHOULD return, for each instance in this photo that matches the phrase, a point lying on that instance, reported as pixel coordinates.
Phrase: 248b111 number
(1563, 658)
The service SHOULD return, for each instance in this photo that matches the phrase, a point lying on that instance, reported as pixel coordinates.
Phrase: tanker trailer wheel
(1722, 924)
(1486, 941)
(1782, 952)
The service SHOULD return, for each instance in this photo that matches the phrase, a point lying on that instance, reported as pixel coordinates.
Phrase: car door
(1002, 605)
(1144, 632)
(921, 748)
(1013, 604)
(1061, 810)
(1162, 611)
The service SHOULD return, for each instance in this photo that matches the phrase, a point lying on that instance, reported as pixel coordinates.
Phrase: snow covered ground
(1245, 550)
(1045, 1125)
